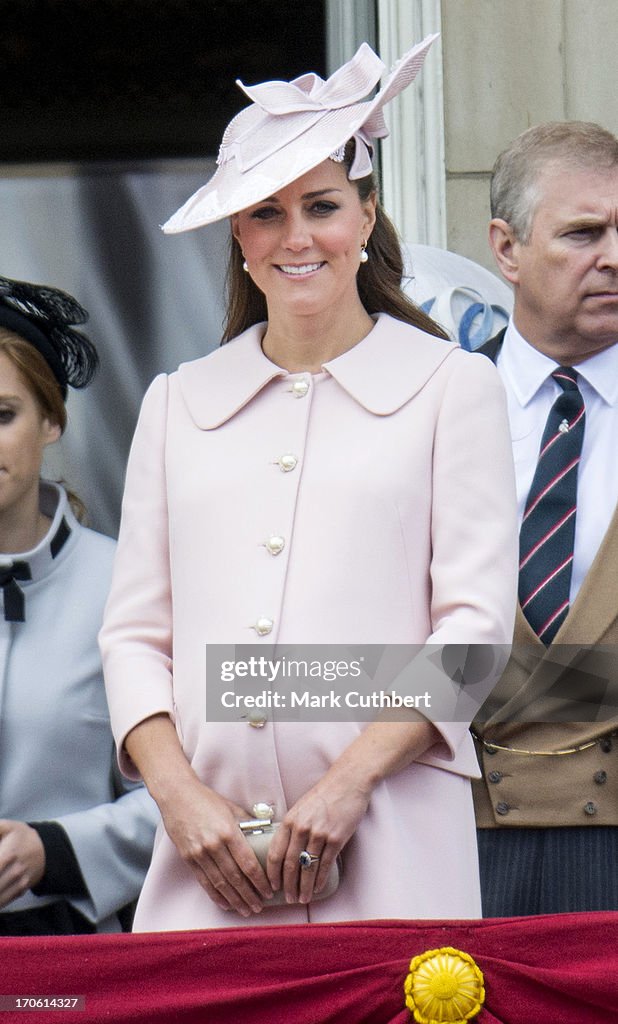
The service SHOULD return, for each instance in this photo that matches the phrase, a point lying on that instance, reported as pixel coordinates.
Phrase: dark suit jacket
(562, 697)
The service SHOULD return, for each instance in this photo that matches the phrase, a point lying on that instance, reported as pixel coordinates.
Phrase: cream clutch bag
(259, 834)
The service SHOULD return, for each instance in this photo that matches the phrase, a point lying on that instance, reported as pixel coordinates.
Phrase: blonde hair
(515, 183)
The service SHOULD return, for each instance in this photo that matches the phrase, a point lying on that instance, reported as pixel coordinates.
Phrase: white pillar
(413, 164)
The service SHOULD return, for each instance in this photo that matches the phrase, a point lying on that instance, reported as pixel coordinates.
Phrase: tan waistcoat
(560, 698)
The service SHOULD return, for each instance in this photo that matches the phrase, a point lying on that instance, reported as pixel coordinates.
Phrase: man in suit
(547, 740)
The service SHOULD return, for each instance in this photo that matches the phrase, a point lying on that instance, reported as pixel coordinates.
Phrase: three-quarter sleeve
(136, 638)
(473, 541)
(474, 520)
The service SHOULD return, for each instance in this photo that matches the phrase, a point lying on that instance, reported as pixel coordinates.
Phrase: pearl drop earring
(364, 256)
(245, 266)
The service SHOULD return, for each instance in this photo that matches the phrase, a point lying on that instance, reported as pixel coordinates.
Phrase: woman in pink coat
(338, 474)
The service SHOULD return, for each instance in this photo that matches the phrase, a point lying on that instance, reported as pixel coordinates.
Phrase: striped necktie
(547, 532)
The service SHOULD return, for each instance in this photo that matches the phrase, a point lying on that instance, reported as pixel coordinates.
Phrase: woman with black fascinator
(74, 841)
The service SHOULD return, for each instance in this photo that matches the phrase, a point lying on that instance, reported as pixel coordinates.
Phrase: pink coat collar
(383, 372)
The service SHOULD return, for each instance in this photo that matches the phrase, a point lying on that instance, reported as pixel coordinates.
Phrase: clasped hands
(204, 827)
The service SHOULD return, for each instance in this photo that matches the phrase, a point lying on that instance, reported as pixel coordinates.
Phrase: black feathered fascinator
(45, 317)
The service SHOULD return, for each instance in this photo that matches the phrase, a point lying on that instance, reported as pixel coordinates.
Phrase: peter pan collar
(383, 372)
(40, 560)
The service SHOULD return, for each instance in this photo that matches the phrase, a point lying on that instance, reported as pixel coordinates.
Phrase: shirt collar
(528, 370)
(382, 372)
(601, 373)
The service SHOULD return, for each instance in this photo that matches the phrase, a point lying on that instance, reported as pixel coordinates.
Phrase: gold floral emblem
(444, 985)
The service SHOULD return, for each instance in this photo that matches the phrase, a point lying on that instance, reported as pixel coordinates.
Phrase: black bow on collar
(14, 601)
(14, 604)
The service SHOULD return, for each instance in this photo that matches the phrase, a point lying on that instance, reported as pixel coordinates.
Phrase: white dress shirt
(531, 392)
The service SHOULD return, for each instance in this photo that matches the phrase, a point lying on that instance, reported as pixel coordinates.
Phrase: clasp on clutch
(255, 826)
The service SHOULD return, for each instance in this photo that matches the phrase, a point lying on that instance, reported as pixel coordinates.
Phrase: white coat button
(287, 463)
(263, 626)
(300, 388)
(275, 545)
(262, 810)
(256, 720)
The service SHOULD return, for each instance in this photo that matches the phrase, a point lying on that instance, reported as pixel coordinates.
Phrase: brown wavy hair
(379, 279)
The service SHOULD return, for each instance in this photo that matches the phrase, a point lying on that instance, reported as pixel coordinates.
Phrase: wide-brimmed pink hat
(291, 127)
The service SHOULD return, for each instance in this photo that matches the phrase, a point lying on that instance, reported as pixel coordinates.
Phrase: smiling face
(303, 245)
(566, 275)
(24, 435)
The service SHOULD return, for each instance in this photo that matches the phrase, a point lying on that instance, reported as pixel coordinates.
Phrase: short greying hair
(515, 190)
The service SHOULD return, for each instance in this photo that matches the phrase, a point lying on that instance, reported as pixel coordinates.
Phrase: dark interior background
(141, 79)
(111, 114)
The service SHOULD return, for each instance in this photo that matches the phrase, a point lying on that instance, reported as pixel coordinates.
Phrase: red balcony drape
(559, 969)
